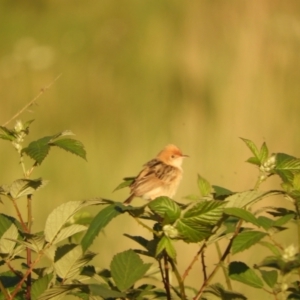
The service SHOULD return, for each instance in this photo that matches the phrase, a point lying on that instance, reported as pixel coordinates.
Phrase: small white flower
(289, 253)
(19, 126)
(170, 231)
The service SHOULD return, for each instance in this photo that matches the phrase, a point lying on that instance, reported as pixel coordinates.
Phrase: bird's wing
(154, 174)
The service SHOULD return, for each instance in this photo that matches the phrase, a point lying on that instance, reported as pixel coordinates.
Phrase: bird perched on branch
(159, 177)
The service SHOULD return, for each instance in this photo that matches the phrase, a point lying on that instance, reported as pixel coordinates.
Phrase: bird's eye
(172, 156)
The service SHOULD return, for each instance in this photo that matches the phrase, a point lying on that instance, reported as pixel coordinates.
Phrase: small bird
(159, 177)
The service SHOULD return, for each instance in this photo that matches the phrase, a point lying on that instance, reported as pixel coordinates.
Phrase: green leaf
(245, 240)
(40, 285)
(217, 291)
(24, 187)
(271, 247)
(105, 292)
(8, 134)
(284, 265)
(98, 223)
(239, 271)
(197, 222)
(38, 150)
(68, 266)
(58, 291)
(126, 268)
(71, 145)
(205, 212)
(265, 222)
(283, 220)
(59, 217)
(192, 231)
(69, 231)
(264, 153)
(204, 186)
(256, 159)
(286, 167)
(33, 242)
(220, 192)
(166, 244)
(269, 277)
(248, 197)
(139, 239)
(166, 208)
(242, 214)
(8, 279)
(253, 161)
(5, 224)
(251, 146)
(7, 242)
(127, 182)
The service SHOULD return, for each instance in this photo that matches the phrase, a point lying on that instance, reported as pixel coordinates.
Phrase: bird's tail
(129, 199)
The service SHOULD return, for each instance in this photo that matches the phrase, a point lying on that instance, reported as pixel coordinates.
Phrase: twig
(226, 252)
(28, 272)
(28, 280)
(19, 215)
(203, 265)
(193, 262)
(42, 91)
(227, 279)
(147, 227)
(28, 250)
(166, 277)
(179, 279)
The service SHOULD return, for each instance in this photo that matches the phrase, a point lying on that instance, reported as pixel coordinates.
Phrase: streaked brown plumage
(159, 177)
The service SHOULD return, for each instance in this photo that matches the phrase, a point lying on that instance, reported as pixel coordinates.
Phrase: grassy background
(137, 75)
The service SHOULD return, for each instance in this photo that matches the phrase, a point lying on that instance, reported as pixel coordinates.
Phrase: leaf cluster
(214, 214)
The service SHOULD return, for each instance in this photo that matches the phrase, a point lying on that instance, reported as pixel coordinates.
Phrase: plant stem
(42, 91)
(167, 287)
(179, 279)
(226, 252)
(227, 279)
(186, 272)
(28, 272)
(147, 227)
(19, 215)
(28, 251)
(167, 278)
(203, 266)
(29, 213)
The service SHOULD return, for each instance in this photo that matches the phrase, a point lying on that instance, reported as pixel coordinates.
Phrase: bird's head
(171, 155)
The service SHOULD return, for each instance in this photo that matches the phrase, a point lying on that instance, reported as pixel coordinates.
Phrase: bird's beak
(185, 155)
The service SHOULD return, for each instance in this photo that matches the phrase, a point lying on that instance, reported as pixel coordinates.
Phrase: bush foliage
(215, 214)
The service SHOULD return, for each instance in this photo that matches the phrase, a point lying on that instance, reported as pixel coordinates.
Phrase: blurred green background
(137, 75)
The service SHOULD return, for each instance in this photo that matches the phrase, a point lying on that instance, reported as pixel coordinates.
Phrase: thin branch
(28, 250)
(226, 252)
(166, 277)
(186, 272)
(28, 272)
(179, 279)
(42, 91)
(19, 215)
(147, 227)
(227, 279)
(203, 265)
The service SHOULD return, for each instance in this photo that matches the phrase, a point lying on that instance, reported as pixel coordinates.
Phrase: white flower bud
(170, 231)
(19, 126)
(289, 253)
